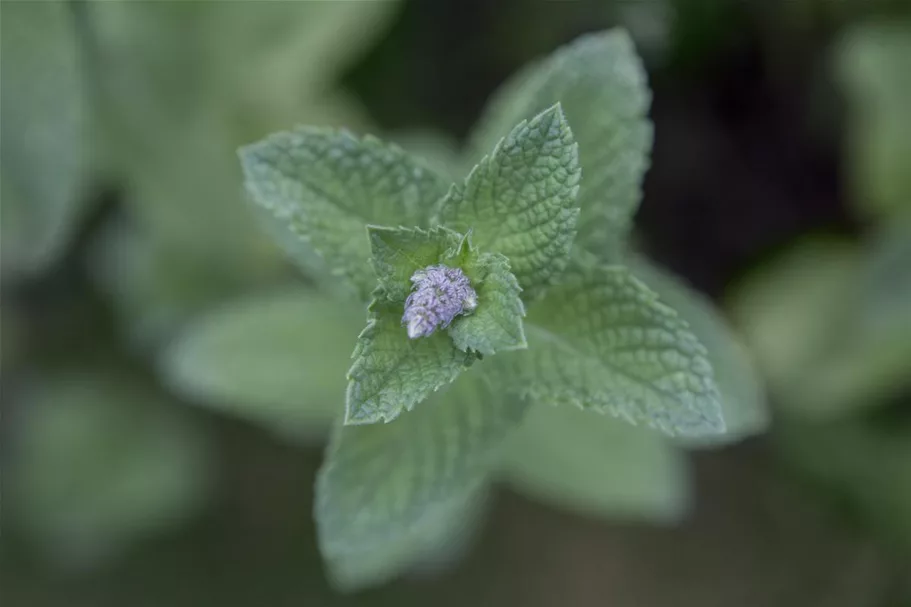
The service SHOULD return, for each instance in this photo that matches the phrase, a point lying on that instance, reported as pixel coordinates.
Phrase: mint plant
(484, 297)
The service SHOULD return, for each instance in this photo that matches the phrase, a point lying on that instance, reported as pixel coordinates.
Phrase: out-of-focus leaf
(46, 122)
(869, 466)
(185, 84)
(743, 401)
(277, 358)
(429, 546)
(597, 466)
(872, 64)
(99, 461)
(438, 151)
(381, 482)
(792, 312)
(156, 288)
(828, 327)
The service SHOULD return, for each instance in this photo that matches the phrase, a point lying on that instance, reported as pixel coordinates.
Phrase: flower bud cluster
(439, 294)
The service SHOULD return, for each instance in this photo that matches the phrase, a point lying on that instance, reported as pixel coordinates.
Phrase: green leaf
(793, 310)
(381, 482)
(156, 288)
(101, 460)
(326, 185)
(743, 400)
(46, 120)
(597, 466)
(829, 323)
(399, 252)
(392, 373)
(277, 358)
(436, 540)
(520, 200)
(496, 324)
(871, 62)
(601, 84)
(601, 340)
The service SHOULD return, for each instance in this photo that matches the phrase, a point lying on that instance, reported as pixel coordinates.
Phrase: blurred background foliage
(168, 378)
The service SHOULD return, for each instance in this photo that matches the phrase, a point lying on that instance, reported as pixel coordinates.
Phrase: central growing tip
(439, 294)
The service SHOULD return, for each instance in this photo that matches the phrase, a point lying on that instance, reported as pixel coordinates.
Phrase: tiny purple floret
(439, 294)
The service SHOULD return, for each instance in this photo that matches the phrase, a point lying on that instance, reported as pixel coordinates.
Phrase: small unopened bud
(438, 295)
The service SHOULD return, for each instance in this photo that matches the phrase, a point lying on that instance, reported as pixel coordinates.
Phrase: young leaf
(326, 185)
(277, 359)
(602, 341)
(391, 372)
(597, 466)
(743, 401)
(380, 482)
(496, 323)
(601, 84)
(399, 252)
(520, 200)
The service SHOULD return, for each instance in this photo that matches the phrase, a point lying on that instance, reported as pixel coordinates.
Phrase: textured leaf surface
(520, 200)
(45, 117)
(277, 359)
(602, 341)
(496, 324)
(326, 185)
(380, 482)
(743, 400)
(399, 252)
(392, 373)
(597, 466)
(601, 84)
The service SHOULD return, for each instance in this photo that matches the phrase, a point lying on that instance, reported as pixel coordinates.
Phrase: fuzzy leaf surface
(601, 340)
(520, 200)
(392, 373)
(325, 185)
(601, 83)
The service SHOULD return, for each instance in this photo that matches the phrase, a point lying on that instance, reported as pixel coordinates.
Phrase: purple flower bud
(439, 294)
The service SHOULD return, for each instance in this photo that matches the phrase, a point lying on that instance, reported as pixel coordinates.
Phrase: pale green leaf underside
(743, 400)
(601, 84)
(520, 200)
(44, 111)
(392, 373)
(597, 466)
(277, 359)
(602, 341)
(381, 481)
(435, 541)
(496, 324)
(326, 185)
(399, 252)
